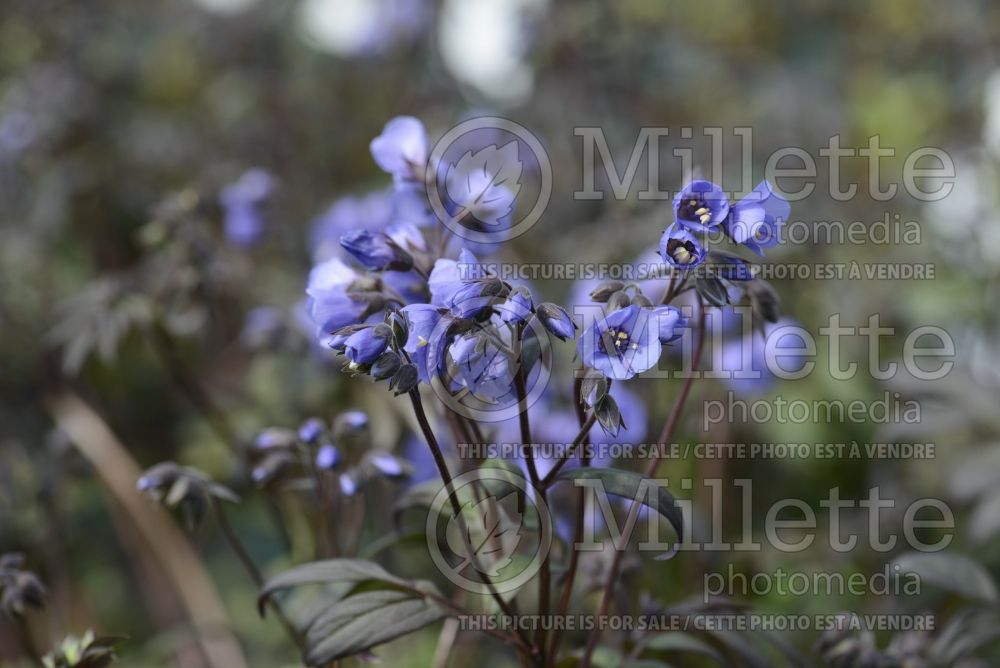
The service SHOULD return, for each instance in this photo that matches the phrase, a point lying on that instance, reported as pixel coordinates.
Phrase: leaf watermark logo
(489, 535)
(502, 534)
(494, 177)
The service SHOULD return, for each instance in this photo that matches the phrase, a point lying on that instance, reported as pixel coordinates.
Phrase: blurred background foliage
(120, 122)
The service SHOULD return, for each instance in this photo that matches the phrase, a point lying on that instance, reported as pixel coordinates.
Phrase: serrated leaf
(628, 484)
(492, 533)
(364, 620)
(953, 572)
(353, 571)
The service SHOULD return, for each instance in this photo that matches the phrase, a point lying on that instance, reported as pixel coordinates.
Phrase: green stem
(449, 485)
(665, 436)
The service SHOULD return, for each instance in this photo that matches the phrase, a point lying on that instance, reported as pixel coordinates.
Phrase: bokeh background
(121, 123)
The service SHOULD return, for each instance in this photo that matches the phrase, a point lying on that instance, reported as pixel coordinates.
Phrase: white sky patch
(340, 27)
(484, 45)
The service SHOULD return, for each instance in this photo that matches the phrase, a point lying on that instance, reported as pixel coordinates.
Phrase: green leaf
(712, 290)
(367, 619)
(628, 484)
(954, 572)
(378, 607)
(678, 641)
(329, 571)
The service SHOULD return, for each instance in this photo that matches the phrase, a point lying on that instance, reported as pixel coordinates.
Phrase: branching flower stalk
(666, 433)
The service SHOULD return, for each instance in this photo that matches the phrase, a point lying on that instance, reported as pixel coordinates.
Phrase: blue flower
(474, 297)
(680, 248)
(448, 276)
(556, 320)
(311, 430)
(401, 149)
(701, 206)
(332, 303)
(481, 366)
(351, 422)
(349, 484)
(242, 202)
(755, 221)
(376, 251)
(386, 464)
(365, 345)
(623, 344)
(518, 307)
(670, 323)
(422, 319)
(327, 456)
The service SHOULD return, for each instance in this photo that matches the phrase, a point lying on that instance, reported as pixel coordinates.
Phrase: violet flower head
(701, 206)
(679, 248)
(422, 320)
(755, 221)
(479, 364)
(327, 457)
(625, 343)
(670, 323)
(376, 251)
(365, 345)
(401, 149)
(333, 303)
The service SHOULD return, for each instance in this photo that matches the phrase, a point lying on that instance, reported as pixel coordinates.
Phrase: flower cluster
(399, 309)
(703, 208)
(317, 450)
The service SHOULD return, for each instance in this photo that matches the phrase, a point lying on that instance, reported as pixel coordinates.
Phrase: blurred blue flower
(242, 202)
(386, 464)
(332, 303)
(747, 360)
(623, 344)
(365, 345)
(701, 206)
(755, 221)
(401, 149)
(311, 430)
(376, 250)
(349, 484)
(351, 422)
(373, 211)
(262, 326)
(679, 248)
(327, 457)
